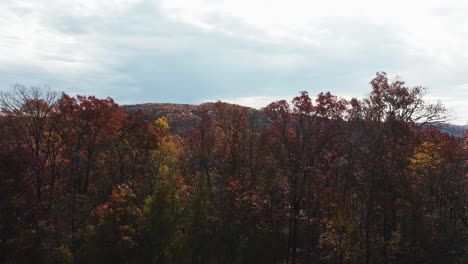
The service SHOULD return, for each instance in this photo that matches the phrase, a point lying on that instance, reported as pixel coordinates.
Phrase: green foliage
(199, 226)
(161, 223)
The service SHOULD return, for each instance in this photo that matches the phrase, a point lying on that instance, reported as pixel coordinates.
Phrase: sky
(250, 52)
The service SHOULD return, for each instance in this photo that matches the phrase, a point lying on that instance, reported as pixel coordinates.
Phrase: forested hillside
(182, 117)
(317, 179)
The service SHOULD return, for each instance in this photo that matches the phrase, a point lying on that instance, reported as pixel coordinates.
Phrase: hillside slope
(180, 116)
(183, 116)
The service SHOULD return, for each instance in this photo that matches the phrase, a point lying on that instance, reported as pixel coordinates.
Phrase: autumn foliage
(312, 180)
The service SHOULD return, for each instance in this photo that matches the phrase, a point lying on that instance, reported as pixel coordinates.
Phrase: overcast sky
(249, 52)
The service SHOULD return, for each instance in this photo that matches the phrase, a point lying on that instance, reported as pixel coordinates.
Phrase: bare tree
(27, 110)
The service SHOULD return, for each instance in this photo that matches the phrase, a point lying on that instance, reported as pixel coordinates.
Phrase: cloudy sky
(249, 52)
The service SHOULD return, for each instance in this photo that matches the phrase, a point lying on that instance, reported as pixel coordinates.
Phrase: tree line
(318, 180)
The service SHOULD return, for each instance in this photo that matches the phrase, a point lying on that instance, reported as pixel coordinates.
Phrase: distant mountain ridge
(183, 116)
(179, 116)
(454, 130)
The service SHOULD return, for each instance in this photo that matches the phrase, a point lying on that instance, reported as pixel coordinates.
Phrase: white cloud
(25, 40)
(435, 30)
(250, 50)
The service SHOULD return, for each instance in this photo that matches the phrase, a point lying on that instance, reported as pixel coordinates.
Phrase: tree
(388, 120)
(28, 111)
(161, 224)
(20, 210)
(114, 235)
(302, 131)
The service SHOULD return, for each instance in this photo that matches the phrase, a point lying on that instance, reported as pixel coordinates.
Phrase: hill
(179, 116)
(183, 116)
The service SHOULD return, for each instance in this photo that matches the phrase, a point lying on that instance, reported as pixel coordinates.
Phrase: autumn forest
(315, 179)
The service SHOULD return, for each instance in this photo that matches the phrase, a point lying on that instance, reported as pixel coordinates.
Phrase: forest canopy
(318, 179)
